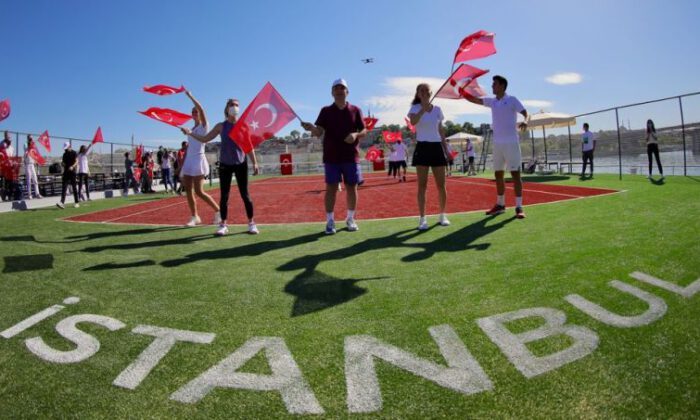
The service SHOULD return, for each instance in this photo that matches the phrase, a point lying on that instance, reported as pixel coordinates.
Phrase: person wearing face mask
(232, 162)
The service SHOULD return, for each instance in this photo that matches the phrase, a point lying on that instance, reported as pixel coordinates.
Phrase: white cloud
(537, 103)
(570, 78)
(392, 107)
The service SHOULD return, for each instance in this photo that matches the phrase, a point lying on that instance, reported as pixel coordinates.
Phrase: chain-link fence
(620, 135)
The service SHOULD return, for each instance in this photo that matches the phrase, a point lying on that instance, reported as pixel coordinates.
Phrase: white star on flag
(254, 125)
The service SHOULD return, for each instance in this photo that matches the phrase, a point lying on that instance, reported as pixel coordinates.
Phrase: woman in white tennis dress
(195, 166)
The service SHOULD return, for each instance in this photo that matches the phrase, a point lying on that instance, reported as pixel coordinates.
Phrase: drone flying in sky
(368, 60)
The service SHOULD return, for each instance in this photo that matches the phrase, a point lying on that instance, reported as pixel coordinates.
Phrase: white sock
(501, 201)
(351, 214)
(518, 201)
(330, 217)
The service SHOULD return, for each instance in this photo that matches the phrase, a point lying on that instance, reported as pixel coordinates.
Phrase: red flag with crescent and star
(98, 136)
(477, 45)
(163, 89)
(33, 152)
(45, 141)
(391, 136)
(462, 83)
(168, 116)
(370, 122)
(372, 154)
(410, 126)
(4, 109)
(264, 117)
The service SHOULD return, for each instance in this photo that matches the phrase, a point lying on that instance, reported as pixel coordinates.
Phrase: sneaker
(352, 225)
(648, 176)
(252, 228)
(60, 205)
(422, 223)
(194, 221)
(443, 220)
(519, 213)
(76, 205)
(222, 230)
(496, 210)
(217, 218)
(330, 228)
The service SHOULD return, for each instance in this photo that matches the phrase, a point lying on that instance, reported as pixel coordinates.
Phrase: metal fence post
(571, 155)
(619, 143)
(685, 165)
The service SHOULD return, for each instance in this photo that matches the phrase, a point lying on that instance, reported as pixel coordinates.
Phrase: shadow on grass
(657, 181)
(90, 236)
(149, 244)
(115, 266)
(315, 290)
(16, 264)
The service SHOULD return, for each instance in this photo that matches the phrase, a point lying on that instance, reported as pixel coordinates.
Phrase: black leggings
(653, 149)
(69, 178)
(587, 157)
(83, 178)
(225, 174)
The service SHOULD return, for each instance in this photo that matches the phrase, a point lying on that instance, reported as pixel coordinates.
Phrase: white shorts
(195, 165)
(506, 156)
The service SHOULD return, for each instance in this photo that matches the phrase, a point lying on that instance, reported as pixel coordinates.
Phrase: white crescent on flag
(270, 108)
(169, 115)
(461, 84)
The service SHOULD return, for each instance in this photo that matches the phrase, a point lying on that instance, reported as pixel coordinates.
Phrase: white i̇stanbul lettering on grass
(461, 371)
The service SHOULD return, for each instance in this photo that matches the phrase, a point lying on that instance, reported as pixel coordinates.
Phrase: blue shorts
(348, 173)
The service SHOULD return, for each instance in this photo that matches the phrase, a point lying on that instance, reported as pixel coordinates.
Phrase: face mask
(233, 110)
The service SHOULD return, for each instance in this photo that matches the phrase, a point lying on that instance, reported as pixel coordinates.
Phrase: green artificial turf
(387, 281)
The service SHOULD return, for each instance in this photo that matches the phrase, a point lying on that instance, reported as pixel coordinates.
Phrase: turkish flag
(163, 89)
(462, 83)
(264, 117)
(4, 109)
(139, 154)
(33, 152)
(45, 141)
(168, 116)
(391, 137)
(477, 45)
(372, 154)
(370, 122)
(453, 154)
(410, 126)
(137, 174)
(98, 136)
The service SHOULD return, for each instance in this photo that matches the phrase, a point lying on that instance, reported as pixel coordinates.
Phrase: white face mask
(233, 110)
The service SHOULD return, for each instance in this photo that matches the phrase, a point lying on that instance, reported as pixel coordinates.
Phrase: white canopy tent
(548, 120)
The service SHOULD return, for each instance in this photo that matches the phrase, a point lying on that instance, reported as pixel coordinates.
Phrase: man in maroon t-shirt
(341, 127)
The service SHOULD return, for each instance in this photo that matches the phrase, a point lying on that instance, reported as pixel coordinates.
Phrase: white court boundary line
(459, 181)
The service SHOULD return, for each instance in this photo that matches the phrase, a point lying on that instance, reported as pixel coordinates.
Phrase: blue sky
(69, 66)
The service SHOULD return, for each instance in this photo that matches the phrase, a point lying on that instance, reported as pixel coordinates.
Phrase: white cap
(340, 82)
(66, 145)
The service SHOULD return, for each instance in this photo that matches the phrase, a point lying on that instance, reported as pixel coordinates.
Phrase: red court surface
(300, 199)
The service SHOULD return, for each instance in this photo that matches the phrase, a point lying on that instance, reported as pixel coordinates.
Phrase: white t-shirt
(427, 127)
(9, 150)
(587, 141)
(651, 138)
(83, 167)
(470, 150)
(166, 162)
(504, 117)
(398, 154)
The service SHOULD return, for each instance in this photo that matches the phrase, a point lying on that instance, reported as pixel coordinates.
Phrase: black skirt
(429, 153)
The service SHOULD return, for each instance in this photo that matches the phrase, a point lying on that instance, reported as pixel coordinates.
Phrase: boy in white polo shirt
(506, 145)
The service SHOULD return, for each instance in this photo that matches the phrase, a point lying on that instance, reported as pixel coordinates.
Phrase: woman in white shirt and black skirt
(430, 152)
